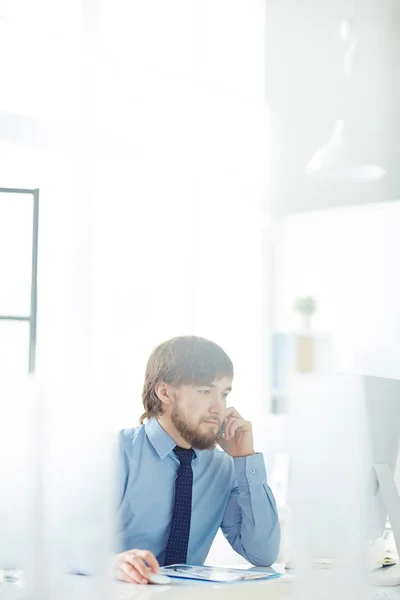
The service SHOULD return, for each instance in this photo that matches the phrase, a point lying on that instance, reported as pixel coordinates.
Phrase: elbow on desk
(264, 559)
(267, 553)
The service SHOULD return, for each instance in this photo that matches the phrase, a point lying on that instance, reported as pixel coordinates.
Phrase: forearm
(251, 522)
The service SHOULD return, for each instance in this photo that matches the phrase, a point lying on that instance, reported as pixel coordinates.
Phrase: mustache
(213, 420)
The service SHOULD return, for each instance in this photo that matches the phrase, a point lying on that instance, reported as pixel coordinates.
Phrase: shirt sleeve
(122, 469)
(250, 523)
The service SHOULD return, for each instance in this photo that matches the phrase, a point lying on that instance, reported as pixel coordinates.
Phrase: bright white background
(151, 155)
(347, 259)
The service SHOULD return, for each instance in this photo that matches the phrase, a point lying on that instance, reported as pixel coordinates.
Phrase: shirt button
(252, 471)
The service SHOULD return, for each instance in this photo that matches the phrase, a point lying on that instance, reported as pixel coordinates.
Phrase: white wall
(348, 260)
(152, 217)
(187, 237)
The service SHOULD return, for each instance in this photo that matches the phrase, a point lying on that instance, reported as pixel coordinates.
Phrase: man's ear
(164, 392)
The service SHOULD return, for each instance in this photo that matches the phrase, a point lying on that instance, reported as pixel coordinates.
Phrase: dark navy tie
(177, 545)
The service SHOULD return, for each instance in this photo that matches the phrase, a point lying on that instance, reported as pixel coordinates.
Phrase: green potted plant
(305, 306)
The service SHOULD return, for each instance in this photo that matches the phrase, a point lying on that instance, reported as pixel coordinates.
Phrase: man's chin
(202, 443)
(202, 438)
(205, 442)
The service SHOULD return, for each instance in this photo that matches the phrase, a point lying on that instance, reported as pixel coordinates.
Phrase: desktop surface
(73, 587)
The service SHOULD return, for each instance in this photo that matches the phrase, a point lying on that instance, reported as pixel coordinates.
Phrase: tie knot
(185, 455)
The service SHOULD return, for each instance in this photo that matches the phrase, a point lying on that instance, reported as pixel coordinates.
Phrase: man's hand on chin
(237, 439)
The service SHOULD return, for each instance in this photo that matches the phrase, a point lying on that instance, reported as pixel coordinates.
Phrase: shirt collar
(162, 442)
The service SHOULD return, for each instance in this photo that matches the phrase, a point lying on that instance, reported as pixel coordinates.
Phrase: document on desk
(215, 574)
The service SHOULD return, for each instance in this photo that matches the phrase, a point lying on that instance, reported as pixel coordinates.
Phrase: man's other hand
(135, 566)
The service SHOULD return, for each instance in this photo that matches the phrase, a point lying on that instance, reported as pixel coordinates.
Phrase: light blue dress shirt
(231, 493)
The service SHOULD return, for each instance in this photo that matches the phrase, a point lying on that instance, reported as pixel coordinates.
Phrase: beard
(191, 434)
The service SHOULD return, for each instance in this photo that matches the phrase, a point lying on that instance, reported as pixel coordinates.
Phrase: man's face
(199, 411)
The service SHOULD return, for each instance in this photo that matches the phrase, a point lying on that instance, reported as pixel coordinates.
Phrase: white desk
(179, 590)
(87, 588)
(72, 587)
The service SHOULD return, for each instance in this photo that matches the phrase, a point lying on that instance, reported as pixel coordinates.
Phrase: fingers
(230, 428)
(232, 412)
(151, 560)
(135, 566)
(141, 567)
(231, 417)
(235, 423)
(129, 574)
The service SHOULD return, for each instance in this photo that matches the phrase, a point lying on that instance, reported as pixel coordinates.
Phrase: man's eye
(225, 395)
(204, 392)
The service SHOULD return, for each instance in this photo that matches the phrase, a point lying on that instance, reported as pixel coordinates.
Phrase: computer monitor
(382, 400)
(345, 436)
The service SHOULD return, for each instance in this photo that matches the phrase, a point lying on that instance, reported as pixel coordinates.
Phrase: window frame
(32, 317)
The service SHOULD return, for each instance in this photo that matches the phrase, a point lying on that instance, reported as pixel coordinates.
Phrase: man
(176, 488)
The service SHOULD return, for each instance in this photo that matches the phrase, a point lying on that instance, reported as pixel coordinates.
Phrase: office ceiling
(307, 91)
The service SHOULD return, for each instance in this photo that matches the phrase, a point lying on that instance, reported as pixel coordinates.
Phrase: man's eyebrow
(212, 385)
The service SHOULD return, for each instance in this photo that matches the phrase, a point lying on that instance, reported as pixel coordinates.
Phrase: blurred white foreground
(329, 485)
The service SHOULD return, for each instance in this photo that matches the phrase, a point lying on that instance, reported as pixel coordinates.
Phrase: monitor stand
(391, 499)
